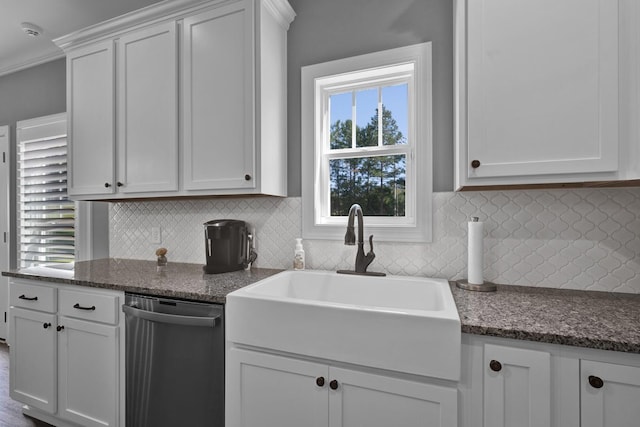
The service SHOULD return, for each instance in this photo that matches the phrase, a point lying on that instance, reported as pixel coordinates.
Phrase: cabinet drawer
(89, 306)
(35, 297)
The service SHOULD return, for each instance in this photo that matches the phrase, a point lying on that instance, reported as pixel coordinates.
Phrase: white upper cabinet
(148, 110)
(537, 88)
(234, 87)
(91, 119)
(218, 99)
(181, 98)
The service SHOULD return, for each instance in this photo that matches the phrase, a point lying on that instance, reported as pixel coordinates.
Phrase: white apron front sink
(404, 324)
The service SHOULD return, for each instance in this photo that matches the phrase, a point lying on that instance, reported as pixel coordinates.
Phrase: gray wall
(34, 92)
(324, 30)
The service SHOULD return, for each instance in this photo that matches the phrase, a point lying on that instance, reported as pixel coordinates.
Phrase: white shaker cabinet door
(363, 399)
(91, 119)
(148, 110)
(33, 358)
(517, 387)
(218, 99)
(88, 368)
(541, 90)
(268, 390)
(610, 395)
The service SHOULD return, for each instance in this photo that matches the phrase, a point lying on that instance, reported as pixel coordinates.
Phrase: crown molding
(42, 59)
(282, 11)
(151, 13)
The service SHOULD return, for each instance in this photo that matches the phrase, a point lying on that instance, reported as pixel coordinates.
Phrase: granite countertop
(178, 280)
(601, 320)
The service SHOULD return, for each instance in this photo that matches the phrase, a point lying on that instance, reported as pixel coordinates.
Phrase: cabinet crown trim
(282, 11)
(162, 10)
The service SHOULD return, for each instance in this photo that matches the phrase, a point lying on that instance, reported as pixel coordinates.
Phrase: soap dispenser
(298, 256)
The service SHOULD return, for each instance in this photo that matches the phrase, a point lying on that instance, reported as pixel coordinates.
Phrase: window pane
(367, 118)
(375, 183)
(395, 112)
(340, 120)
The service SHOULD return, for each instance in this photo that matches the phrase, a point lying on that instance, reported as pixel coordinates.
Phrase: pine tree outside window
(366, 127)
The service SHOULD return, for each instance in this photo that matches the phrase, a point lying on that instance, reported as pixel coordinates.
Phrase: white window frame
(412, 65)
(49, 127)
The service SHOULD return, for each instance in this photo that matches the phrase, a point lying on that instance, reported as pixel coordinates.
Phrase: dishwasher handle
(174, 319)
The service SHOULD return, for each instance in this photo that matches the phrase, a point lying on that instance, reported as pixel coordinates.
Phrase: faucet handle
(368, 259)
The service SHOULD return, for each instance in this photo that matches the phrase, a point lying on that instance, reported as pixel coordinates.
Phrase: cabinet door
(267, 390)
(363, 399)
(91, 119)
(533, 109)
(218, 99)
(88, 372)
(148, 110)
(33, 358)
(4, 229)
(614, 400)
(517, 387)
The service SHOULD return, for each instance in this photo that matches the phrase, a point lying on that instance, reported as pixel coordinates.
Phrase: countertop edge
(479, 314)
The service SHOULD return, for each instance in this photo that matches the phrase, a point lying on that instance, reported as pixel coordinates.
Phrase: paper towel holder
(484, 287)
(464, 283)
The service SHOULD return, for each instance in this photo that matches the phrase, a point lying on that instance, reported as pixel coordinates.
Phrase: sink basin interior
(391, 292)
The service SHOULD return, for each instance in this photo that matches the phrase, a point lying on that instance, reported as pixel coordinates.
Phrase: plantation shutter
(46, 217)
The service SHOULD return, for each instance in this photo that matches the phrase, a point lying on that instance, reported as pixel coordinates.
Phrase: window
(46, 217)
(366, 139)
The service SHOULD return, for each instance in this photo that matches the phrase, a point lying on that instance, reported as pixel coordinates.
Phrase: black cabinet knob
(46, 325)
(107, 185)
(119, 184)
(333, 385)
(247, 177)
(320, 381)
(495, 366)
(595, 382)
(59, 328)
(475, 164)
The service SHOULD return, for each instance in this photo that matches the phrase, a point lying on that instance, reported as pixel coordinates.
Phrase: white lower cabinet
(66, 358)
(609, 394)
(517, 386)
(33, 355)
(274, 390)
(507, 382)
(88, 372)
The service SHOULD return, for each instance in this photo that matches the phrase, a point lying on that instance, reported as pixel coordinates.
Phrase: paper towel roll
(475, 252)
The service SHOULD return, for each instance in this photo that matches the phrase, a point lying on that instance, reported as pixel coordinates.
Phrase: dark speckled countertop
(178, 280)
(600, 320)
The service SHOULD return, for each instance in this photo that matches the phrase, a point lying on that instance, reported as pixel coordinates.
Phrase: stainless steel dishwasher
(174, 363)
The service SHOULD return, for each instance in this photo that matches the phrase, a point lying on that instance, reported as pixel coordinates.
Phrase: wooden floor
(10, 410)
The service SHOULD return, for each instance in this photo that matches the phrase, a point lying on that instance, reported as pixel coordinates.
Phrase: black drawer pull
(320, 381)
(46, 325)
(333, 385)
(59, 328)
(79, 307)
(28, 298)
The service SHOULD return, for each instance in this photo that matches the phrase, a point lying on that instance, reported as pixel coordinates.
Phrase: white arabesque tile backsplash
(580, 239)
